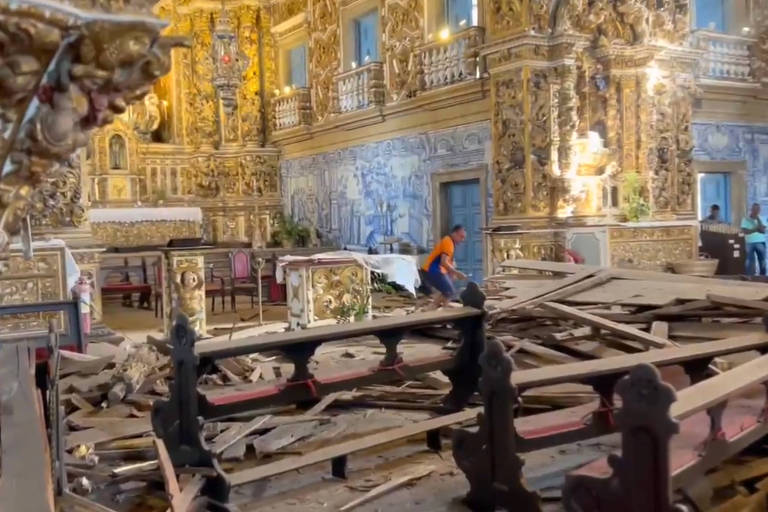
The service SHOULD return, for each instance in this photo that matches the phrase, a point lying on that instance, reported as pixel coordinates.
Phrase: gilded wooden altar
(322, 292)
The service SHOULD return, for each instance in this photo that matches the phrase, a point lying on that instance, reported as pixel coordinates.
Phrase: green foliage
(634, 205)
(379, 284)
(356, 309)
(288, 230)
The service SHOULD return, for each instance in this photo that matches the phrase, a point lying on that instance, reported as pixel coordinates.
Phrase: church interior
(253, 253)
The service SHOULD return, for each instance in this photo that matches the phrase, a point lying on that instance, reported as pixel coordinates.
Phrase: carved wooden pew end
(488, 457)
(646, 428)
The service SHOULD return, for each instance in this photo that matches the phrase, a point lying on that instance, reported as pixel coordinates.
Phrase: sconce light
(354, 65)
(287, 89)
(445, 33)
(367, 58)
(654, 76)
(277, 92)
(430, 36)
(463, 23)
(746, 30)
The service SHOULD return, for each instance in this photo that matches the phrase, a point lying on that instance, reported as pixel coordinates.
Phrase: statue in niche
(117, 153)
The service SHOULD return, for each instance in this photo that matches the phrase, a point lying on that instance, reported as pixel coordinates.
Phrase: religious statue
(117, 156)
(146, 116)
(635, 14)
(257, 236)
(191, 301)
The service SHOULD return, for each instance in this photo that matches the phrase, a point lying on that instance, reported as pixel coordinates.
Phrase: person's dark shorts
(440, 282)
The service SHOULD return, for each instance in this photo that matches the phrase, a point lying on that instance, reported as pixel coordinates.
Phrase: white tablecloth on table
(142, 214)
(70, 266)
(398, 268)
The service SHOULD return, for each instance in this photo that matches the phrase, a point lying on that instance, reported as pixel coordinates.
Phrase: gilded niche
(509, 187)
(324, 55)
(403, 33)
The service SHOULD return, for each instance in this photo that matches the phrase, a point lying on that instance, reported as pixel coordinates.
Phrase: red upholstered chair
(125, 287)
(243, 280)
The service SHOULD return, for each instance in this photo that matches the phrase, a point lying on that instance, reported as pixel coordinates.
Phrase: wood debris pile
(554, 313)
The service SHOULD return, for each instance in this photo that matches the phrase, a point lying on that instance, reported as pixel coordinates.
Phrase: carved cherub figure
(191, 302)
(636, 15)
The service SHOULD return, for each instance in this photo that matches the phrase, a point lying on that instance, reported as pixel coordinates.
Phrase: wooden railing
(293, 109)
(360, 88)
(454, 59)
(726, 57)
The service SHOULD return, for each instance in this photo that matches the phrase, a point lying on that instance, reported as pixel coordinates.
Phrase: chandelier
(228, 62)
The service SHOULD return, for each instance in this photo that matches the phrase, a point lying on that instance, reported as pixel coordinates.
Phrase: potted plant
(634, 205)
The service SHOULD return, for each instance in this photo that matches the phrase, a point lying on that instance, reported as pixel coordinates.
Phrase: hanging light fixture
(228, 62)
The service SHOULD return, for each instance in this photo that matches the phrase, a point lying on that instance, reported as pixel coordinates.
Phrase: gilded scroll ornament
(652, 248)
(283, 10)
(661, 183)
(249, 101)
(505, 16)
(541, 128)
(83, 68)
(324, 55)
(403, 33)
(568, 118)
(336, 286)
(761, 45)
(509, 187)
(202, 106)
(58, 201)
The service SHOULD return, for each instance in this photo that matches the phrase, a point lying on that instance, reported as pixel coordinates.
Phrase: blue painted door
(298, 58)
(710, 15)
(458, 14)
(465, 208)
(366, 38)
(715, 188)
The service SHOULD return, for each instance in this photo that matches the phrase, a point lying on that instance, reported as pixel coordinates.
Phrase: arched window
(118, 158)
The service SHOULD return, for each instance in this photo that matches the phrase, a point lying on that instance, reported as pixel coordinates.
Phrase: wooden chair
(125, 286)
(214, 287)
(159, 289)
(243, 281)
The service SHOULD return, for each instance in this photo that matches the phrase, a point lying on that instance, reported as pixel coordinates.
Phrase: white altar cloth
(142, 214)
(399, 268)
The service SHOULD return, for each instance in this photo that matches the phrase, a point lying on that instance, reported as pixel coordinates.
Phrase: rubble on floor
(544, 314)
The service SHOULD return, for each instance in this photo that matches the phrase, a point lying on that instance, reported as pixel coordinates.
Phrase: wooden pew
(654, 462)
(600, 373)
(489, 457)
(177, 421)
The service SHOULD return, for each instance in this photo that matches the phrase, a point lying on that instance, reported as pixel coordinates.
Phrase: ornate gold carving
(530, 245)
(686, 176)
(505, 17)
(58, 201)
(283, 10)
(260, 175)
(324, 54)
(568, 120)
(336, 286)
(41, 279)
(652, 247)
(403, 34)
(250, 92)
(201, 103)
(509, 187)
(629, 123)
(541, 129)
(141, 234)
(106, 65)
(761, 45)
(188, 285)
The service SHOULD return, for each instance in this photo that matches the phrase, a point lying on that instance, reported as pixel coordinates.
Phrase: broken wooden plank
(183, 502)
(388, 486)
(172, 488)
(558, 289)
(26, 484)
(601, 323)
(721, 300)
(660, 329)
(234, 434)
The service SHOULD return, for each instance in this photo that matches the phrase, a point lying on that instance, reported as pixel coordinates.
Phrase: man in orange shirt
(439, 268)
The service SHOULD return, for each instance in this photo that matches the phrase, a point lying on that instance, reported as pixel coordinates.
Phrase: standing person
(714, 215)
(439, 267)
(754, 235)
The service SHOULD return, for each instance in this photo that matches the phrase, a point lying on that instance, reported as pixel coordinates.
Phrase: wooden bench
(489, 457)
(178, 420)
(602, 374)
(654, 460)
